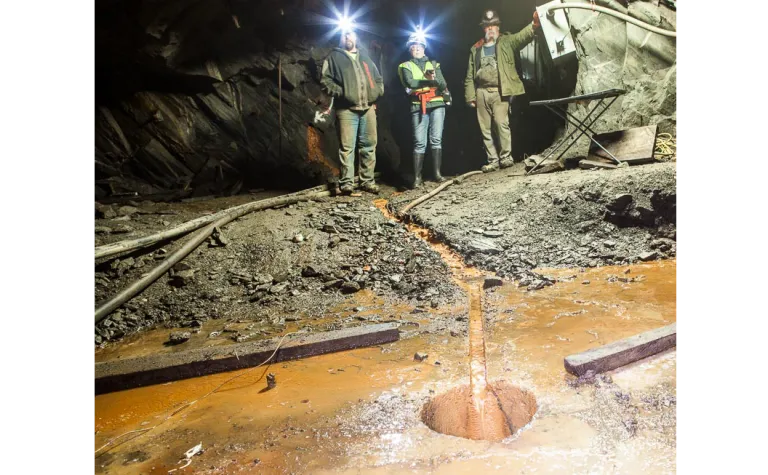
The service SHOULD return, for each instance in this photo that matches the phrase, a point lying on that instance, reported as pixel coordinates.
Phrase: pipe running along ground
(234, 213)
(437, 190)
(614, 13)
(127, 245)
(109, 250)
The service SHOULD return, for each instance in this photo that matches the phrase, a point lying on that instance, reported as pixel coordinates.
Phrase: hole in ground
(500, 412)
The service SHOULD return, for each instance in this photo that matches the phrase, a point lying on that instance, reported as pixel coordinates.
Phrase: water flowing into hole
(480, 410)
(504, 410)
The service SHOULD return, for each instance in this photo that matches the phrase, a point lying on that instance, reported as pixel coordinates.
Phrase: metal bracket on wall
(557, 32)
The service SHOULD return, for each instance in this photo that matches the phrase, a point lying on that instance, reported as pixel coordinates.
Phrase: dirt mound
(513, 225)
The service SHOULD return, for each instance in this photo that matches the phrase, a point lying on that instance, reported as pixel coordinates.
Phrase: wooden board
(622, 352)
(589, 164)
(548, 167)
(118, 375)
(634, 146)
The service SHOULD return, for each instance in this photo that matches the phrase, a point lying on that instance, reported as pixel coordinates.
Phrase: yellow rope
(666, 147)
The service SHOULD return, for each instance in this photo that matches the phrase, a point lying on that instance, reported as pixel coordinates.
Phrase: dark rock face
(189, 93)
(189, 97)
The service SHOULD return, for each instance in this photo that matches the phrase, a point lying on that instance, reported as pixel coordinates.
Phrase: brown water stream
(482, 412)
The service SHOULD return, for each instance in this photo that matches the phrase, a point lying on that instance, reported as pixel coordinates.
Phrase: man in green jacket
(492, 82)
(353, 80)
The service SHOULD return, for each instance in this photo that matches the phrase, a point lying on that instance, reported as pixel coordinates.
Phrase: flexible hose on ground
(437, 190)
(121, 247)
(614, 13)
(141, 284)
(109, 250)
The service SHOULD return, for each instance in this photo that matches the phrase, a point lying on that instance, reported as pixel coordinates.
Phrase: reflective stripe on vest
(418, 75)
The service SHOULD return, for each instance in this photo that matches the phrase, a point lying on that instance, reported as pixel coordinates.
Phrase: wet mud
(377, 410)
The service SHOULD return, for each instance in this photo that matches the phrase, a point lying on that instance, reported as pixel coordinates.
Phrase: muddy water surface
(363, 305)
(359, 411)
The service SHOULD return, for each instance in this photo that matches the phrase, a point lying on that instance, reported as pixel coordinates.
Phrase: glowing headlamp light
(345, 24)
(418, 37)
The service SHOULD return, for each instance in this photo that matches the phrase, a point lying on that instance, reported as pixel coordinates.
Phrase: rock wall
(615, 54)
(189, 98)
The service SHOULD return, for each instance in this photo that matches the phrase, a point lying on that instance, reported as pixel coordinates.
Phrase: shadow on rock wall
(189, 98)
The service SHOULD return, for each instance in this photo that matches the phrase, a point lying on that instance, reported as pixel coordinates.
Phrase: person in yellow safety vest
(426, 87)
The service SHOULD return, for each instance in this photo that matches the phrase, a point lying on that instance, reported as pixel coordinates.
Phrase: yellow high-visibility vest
(417, 75)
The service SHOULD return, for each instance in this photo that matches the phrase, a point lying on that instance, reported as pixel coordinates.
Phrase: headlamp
(345, 24)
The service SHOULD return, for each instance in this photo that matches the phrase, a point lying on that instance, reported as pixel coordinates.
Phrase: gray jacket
(353, 87)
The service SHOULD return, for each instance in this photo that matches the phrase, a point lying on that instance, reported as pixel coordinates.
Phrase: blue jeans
(354, 126)
(429, 124)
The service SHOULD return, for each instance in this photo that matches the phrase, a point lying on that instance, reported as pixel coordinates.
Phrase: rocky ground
(296, 263)
(269, 267)
(511, 224)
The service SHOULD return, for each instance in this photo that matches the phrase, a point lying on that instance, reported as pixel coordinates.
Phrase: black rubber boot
(437, 163)
(418, 162)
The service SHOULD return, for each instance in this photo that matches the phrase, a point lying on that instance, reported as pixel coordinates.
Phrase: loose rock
(648, 256)
(126, 210)
(179, 337)
(620, 202)
(492, 282)
(350, 287)
(181, 275)
(122, 229)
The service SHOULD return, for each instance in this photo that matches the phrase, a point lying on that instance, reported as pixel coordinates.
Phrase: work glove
(447, 97)
(536, 22)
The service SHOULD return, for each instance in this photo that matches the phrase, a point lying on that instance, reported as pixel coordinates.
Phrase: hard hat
(490, 17)
(417, 38)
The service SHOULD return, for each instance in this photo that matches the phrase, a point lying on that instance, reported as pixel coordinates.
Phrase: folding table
(560, 108)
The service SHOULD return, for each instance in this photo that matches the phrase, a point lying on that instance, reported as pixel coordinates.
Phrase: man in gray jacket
(354, 82)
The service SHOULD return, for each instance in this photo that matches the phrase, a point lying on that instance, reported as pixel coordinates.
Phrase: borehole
(504, 410)
(479, 410)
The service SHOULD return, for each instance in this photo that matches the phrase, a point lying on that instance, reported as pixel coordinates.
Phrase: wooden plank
(589, 164)
(118, 375)
(548, 167)
(638, 161)
(632, 145)
(622, 352)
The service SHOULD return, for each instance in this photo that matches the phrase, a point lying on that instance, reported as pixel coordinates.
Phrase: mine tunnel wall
(187, 92)
(615, 54)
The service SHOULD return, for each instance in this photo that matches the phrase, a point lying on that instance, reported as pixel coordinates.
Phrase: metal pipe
(613, 13)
